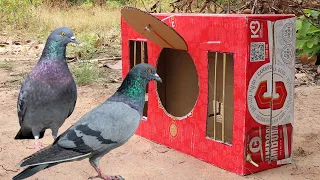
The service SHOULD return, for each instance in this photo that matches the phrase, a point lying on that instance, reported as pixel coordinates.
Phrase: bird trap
(228, 82)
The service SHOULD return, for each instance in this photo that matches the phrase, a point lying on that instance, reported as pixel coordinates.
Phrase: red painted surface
(234, 33)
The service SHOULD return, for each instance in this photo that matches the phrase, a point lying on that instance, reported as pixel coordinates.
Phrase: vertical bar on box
(273, 61)
(215, 96)
(223, 94)
(142, 52)
(134, 53)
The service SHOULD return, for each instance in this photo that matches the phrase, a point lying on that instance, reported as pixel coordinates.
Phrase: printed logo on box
(260, 98)
(256, 29)
(259, 47)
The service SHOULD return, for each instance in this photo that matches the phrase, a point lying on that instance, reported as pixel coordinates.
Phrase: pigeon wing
(21, 105)
(75, 101)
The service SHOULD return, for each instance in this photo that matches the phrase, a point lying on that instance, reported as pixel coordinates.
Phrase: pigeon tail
(52, 155)
(31, 170)
(27, 134)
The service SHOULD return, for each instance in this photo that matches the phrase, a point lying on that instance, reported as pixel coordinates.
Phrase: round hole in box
(179, 89)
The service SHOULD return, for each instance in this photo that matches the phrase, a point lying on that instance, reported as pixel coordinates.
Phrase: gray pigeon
(48, 93)
(101, 130)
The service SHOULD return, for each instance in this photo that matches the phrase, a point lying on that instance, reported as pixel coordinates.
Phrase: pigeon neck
(54, 51)
(132, 92)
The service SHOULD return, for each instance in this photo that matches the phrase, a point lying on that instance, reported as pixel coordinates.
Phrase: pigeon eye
(63, 34)
(149, 70)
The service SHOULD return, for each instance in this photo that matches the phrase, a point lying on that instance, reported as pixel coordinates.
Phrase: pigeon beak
(74, 40)
(157, 78)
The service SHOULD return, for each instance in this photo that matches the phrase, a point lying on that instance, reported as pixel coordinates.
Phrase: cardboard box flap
(153, 29)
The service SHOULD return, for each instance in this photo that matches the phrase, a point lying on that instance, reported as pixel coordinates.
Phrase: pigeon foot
(104, 177)
(36, 146)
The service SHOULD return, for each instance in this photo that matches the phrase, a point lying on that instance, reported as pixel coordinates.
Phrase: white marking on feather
(50, 162)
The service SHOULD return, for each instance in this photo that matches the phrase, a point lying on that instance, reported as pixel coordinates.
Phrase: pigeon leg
(95, 164)
(37, 145)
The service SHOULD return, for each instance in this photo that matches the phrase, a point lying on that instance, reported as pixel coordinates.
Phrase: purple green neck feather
(53, 50)
(132, 92)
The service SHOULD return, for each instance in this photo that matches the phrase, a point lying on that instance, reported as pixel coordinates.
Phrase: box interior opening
(179, 90)
(220, 100)
(139, 54)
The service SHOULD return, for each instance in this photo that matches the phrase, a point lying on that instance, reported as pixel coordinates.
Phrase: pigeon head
(55, 48)
(135, 83)
(133, 88)
(63, 36)
(145, 72)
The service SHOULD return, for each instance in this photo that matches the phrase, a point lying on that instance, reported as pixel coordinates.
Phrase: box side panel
(270, 93)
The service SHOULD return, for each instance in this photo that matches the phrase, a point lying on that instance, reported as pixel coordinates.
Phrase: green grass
(7, 65)
(98, 29)
(86, 73)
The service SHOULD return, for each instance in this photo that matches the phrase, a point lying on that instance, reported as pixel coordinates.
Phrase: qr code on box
(257, 51)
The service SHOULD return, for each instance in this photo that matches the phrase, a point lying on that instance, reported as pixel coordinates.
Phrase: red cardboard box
(228, 84)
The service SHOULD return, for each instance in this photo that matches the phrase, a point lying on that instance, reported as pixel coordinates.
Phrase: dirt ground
(141, 159)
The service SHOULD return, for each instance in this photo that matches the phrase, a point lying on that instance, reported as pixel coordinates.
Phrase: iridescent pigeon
(101, 130)
(48, 93)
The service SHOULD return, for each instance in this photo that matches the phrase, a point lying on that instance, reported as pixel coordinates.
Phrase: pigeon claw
(118, 177)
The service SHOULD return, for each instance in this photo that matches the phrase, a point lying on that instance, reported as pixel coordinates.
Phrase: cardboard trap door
(169, 64)
(270, 93)
(153, 29)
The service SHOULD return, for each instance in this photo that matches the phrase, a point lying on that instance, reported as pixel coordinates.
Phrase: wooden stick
(215, 96)
(142, 52)
(223, 93)
(134, 53)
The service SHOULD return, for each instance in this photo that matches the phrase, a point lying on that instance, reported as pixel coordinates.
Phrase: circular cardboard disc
(153, 29)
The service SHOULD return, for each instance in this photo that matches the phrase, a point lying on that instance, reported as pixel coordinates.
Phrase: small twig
(275, 9)
(182, 6)
(10, 170)
(223, 10)
(144, 6)
(253, 174)
(254, 6)
(102, 59)
(204, 6)
(154, 6)
(189, 6)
